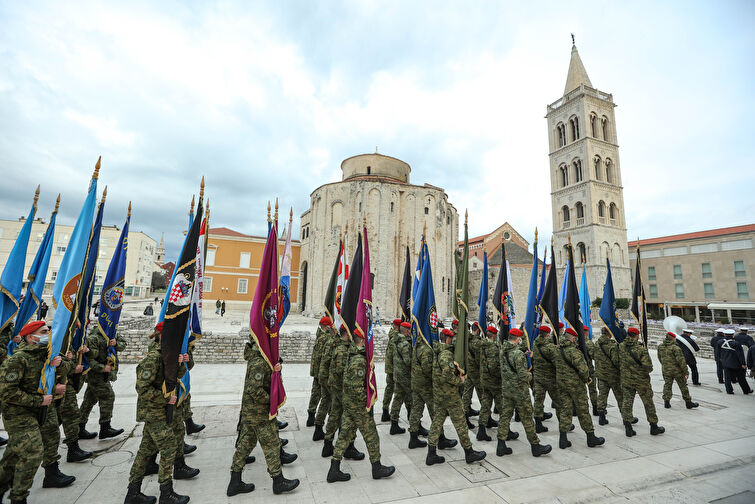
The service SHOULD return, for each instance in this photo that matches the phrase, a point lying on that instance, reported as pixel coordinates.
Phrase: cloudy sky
(267, 98)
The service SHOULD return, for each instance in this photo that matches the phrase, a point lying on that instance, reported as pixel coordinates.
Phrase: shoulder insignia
(451, 364)
(146, 374)
(258, 376)
(11, 376)
(360, 372)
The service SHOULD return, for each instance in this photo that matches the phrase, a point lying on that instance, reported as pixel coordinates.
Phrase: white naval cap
(720, 330)
(689, 331)
(744, 328)
(729, 331)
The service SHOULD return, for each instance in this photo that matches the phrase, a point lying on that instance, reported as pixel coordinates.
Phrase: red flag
(263, 317)
(364, 322)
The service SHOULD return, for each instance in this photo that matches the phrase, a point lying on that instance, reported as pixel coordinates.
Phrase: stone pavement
(706, 455)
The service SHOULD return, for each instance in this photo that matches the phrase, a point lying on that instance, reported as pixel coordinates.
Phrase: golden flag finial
(36, 197)
(466, 216)
(583, 259)
(291, 215)
(568, 237)
(268, 211)
(545, 254)
(57, 204)
(606, 253)
(424, 230)
(191, 208)
(201, 189)
(535, 234)
(104, 195)
(346, 231)
(364, 221)
(275, 217)
(552, 241)
(129, 209)
(97, 168)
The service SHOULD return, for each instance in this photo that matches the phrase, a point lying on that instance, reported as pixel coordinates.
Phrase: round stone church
(378, 188)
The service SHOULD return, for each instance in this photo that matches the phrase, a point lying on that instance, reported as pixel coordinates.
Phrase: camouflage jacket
(327, 353)
(422, 366)
(571, 367)
(337, 367)
(5, 336)
(515, 378)
(19, 379)
(446, 379)
(672, 358)
(255, 401)
(490, 367)
(150, 402)
(475, 353)
(354, 395)
(544, 359)
(635, 363)
(390, 348)
(402, 360)
(314, 365)
(606, 358)
(97, 344)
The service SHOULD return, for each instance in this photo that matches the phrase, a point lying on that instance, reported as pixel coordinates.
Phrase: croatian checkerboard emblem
(433, 320)
(180, 293)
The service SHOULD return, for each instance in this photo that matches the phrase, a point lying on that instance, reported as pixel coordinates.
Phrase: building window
(210, 257)
(443, 283)
(54, 275)
(677, 271)
(604, 124)
(369, 170)
(742, 291)
(574, 123)
(739, 269)
(580, 210)
(564, 175)
(679, 290)
(602, 210)
(708, 289)
(561, 132)
(448, 220)
(707, 272)
(578, 170)
(244, 259)
(242, 286)
(207, 284)
(653, 291)
(360, 206)
(593, 125)
(62, 250)
(427, 211)
(565, 215)
(391, 206)
(449, 285)
(609, 172)
(582, 252)
(651, 272)
(597, 161)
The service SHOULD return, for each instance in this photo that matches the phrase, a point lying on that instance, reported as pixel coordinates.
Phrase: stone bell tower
(586, 190)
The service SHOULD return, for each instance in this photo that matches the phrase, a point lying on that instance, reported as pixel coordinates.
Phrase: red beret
(358, 332)
(560, 325)
(515, 332)
(159, 327)
(633, 330)
(571, 331)
(586, 328)
(326, 321)
(406, 324)
(31, 327)
(667, 334)
(455, 322)
(342, 328)
(397, 321)
(544, 328)
(447, 332)
(476, 323)
(492, 329)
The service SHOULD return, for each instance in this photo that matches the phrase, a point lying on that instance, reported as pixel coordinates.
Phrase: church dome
(375, 165)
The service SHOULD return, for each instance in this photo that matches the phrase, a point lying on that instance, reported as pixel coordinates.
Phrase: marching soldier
(607, 372)
(516, 395)
(99, 376)
(402, 376)
(446, 381)
(674, 369)
(191, 426)
(490, 377)
(472, 381)
(356, 416)
(5, 336)
(592, 385)
(322, 377)
(717, 338)
(573, 374)
(636, 366)
(256, 425)
(389, 353)
(544, 372)
(68, 409)
(733, 362)
(315, 395)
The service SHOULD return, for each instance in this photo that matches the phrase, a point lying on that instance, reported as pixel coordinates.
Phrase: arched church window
(601, 209)
(594, 125)
(609, 171)
(391, 206)
(561, 134)
(597, 162)
(574, 123)
(578, 170)
(613, 213)
(604, 126)
(369, 170)
(427, 210)
(564, 175)
(565, 214)
(580, 210)
(581, 253)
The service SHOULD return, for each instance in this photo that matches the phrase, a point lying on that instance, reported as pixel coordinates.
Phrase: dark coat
(744, 339)
(715, 342)
(731, 353)
(689, 355)
(751, 358)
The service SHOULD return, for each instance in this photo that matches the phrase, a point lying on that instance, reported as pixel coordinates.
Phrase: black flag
(330, 295)
(571, 304)
(405, 298)
(350, 298)
(501, 299)
(638, 302)
(549, 301)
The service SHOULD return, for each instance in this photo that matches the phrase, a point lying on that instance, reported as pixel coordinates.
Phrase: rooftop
(710, 233)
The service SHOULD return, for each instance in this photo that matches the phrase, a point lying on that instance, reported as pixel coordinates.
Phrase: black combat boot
(470, 425)
(691, 405)
(152, 467)
(422, 431)
(482, 435)
(181, 471)
(395, 428)
(284, 441)
(472, 412)
(189, 448)
(433, 457)
(491, 423)
(386, 416)
(635, 420)
(602, 420)
(84, 433)
(593, 440)
(512, 435)
(56, 479)
(327, 448)
(319, 435)
(415, 441)
(502, 449)
(236, 486)
(281, 484)
(628, 430)
(571, 428)
(351, 453)
(380, 471)
(538, 449)
(250, 459)
(75, 453)
(134, 495)
(517, 418)
(666, 404)
(287, 458)
(310, 418)
(563, 441)
(193, 428)
(107, 432)
(539, 427)
(335, 474)
(168, 496)
(655, 429)
(546, 416)
(282, 425)
(471, 456)
(595, 411)
(444, 443)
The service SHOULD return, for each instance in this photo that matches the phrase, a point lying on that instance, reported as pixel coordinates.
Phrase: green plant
(622, 303)
(596, 302)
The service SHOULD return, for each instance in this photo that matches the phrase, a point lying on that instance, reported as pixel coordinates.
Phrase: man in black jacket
(733, 361)
(717, 338)
(689, 347)
(743, 338)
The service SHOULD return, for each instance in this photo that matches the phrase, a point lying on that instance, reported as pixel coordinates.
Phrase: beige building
(377, 187)
(139, 264)
(586, 192)
(704, 276)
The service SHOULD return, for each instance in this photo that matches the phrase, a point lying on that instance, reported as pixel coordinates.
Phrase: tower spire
(577, 74)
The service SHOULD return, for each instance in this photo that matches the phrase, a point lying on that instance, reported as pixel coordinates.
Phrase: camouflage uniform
(99, 389)
(322, 377)
(515, 379)
(674, 368)
(446, 397)
(355, 415)
(544, 371)
(473, 372)
(28, 443)
(592, 387)
(573, 373)
(335, 382)
(256, 424)
(490, 377)
(68, 407)
(314, 369)
(607, 372)
(390, 350)
(422, 384)
(402, 376)
(636, 367)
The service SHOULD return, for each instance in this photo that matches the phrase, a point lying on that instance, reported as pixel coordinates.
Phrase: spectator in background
(743, 338)
(217, 307)
(222, 308)
(717, 338)
(687, 343)
(733, 360)
(43, 310)
(148, 310)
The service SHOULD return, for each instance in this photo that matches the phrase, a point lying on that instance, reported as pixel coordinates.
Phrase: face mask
(43, 340)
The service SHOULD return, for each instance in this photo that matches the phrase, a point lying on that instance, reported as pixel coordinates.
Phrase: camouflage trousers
(314, 396)
(592, 389)
(645, 391)
(470, 384)
(157, 437)
(187, 407)
(681, 381)
(388, 392)
(604, 387)
(402, 394)
(68, 414)
(521, 403)
(50, 431)
(421, 397)
(490, 392)
(540, 387)
(266, 432)
(98, 392)
(573, 397)
(448, 406)
(334, 417)
(324, 407)
(351, 421)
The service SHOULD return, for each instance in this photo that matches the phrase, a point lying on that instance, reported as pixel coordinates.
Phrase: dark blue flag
(424, 314)
(608, 307)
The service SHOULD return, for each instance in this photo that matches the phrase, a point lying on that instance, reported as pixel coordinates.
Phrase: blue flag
(418, 270)
(562, 294)
(530, 317)
(161, 316)
(540, 291)
(482, 298)
(608, 307)
(424, 314)
(584, 301)
(12, 279)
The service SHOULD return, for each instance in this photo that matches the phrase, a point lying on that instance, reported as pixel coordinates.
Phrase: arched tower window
(565, 215)
(580, 208)
(598, 167)
(609, 171)
(564, 170)
(577, 163)
(581, 253)
(574, 123)
(613, 213)
(594, 125)
(602, 211)
(369, 170)
(561, 134)
(604, 127)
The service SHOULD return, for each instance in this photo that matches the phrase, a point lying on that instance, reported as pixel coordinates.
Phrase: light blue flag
(482, 298)
(608, 307)
(424, 313)
(562, 294)
(530, 317)
(12, 279)
(584, 301)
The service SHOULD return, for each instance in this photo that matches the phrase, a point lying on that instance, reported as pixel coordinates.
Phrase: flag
(343, 277)
(351, 301)
(330, 295)
(501, 301)
(530, 317)
(405, 297)
(608, 307)
(37, 275)
(540, 291)
(562, 294)
(457, 283)
(67, 283)
(424, 314)
(12, 279)
(461, 342)
(572, 312)
(364, 323)
(638, 301)
(285, 288)
(482, 297)
(512, 312)
(584, 301)
(418, 269)
(164, 306)
(549, 300)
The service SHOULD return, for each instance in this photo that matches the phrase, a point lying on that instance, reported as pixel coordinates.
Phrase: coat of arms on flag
(433, 319)
(112, 297)
(180, 293)
(270, 314)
